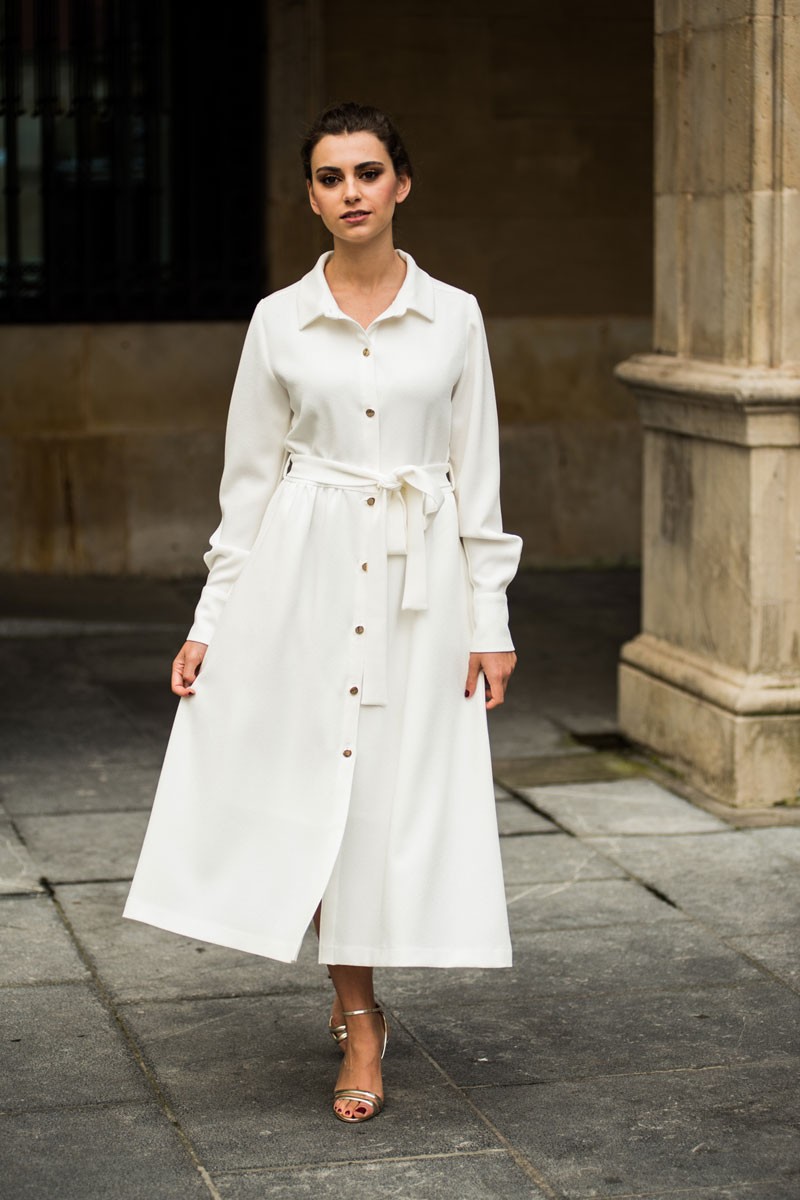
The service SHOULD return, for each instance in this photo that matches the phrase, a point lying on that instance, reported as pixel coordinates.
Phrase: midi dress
(329, 753)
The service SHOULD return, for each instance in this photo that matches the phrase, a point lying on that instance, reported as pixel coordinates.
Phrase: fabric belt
(406, 501)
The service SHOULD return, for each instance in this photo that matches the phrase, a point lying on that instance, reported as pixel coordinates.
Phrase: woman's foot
(360, 1073)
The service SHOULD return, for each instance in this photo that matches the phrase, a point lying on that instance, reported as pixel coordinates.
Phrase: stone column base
(734, 736)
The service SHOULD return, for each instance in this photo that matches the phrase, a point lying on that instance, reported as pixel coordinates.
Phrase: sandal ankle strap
(360, 1012)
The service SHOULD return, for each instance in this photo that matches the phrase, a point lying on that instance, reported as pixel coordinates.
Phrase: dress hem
(354, 956)
(415, 956)
(205, 931)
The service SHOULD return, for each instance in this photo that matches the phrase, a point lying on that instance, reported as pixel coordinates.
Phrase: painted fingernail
(467, 694)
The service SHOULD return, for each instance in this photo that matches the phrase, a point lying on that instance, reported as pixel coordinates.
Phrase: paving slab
(731, 881)
(133, 659)
(251, 1081)
(74, 847)
(775, 1188)
(661, 956)
(62, 1047)
(35, 947)
(93, 786)
(578, 904)
(700, 858)
(150, 706)
(533, 1039)
(515, 817)
(781, 841)
(139, 962)
(47, 740)
(556, 856)
(483, 1176)
(736, 907)
(102, 1152)
(628, 806)
(515, 731)
(57, 691)
(18, 872)
(779, 952)
(545, 769)
(58, 713)
(651, 1133)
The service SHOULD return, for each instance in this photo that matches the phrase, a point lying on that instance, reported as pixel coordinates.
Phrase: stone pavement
(645, 1043)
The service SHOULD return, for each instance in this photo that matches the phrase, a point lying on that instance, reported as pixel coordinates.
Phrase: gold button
(365, 352)
(370, 412)
(359, 628)
(363, 566)
(347, 753)
(371, 500)
(353, 691)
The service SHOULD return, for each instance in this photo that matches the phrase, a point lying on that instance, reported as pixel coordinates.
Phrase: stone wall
(112, 445)
(712, 682)
(530, 128)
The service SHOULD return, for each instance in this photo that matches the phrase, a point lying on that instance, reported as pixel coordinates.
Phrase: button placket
(370, 397)
(353, 680)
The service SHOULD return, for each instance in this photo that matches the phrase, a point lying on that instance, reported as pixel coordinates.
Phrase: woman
(331, 759)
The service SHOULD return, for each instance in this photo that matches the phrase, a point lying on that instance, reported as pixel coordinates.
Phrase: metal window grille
(131, 159)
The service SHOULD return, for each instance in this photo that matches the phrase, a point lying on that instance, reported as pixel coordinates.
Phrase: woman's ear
(311, 199)
(403, 188)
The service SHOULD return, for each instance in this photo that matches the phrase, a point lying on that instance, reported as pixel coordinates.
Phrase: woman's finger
(186, 666)
(497, 669)
(472, 675)
(496, 682)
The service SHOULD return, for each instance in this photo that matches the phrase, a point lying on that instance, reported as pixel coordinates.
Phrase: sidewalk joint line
(133, 1047)
(92, 1105)
(524, 1163)
(659, 895)
(359, 1162)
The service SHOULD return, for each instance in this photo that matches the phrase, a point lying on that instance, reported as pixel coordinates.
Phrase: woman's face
(353, 186)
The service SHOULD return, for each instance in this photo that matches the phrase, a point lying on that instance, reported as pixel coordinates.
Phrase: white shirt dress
(329, 752)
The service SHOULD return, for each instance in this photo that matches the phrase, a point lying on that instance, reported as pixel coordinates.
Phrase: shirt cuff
(490, 623)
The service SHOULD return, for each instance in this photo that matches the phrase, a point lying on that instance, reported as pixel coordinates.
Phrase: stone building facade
(530, 128)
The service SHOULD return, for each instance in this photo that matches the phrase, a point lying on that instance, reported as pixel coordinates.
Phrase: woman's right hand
(186, 666)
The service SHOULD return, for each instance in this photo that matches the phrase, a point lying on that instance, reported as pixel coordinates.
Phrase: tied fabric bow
(407, 500)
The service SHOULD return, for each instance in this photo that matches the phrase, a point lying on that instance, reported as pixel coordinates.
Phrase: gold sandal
(360, 1096)
(338, 1033)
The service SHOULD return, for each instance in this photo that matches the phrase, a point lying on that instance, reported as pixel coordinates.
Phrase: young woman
(331, 759)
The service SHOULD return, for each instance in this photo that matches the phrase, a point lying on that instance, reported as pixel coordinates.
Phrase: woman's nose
(351, 190)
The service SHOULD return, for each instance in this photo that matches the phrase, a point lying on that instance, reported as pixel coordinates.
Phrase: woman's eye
(329, 180)
(370, 175)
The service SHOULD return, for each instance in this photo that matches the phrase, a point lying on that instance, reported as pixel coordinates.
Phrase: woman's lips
(355, 218)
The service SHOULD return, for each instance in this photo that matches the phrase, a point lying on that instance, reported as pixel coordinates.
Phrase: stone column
(712, 684)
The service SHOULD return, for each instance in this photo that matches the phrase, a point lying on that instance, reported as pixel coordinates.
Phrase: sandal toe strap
(360, 1097)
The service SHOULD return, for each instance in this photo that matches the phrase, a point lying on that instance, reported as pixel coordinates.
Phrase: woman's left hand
(497, 667)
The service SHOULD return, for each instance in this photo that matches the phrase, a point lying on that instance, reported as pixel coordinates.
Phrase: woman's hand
(186, 667)
(497, 667)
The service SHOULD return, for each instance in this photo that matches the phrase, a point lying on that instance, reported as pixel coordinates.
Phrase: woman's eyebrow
(359, 167)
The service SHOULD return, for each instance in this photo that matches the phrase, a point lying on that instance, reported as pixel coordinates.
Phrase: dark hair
(356, 118)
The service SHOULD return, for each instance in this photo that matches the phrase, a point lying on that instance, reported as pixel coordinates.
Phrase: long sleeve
(492, 555)
(258, 422)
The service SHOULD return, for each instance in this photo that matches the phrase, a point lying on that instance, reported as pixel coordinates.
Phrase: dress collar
(315, 299)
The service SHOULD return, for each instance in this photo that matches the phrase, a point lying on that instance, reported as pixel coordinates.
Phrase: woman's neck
(366, 268)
